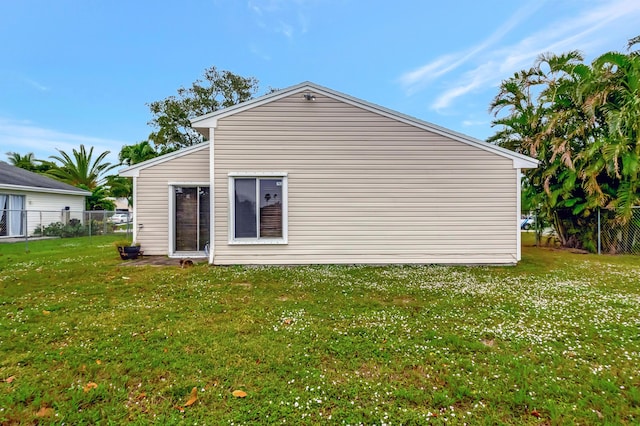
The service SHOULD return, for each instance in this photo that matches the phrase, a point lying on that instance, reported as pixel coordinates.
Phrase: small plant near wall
(128, 249)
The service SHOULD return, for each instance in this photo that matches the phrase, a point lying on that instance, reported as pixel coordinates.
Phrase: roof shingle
(15, 176)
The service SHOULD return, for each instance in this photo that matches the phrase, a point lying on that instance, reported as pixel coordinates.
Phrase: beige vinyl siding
(365, 188)
(152, 197)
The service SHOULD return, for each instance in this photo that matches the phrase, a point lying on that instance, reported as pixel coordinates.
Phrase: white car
(527, 222)
(119, 218)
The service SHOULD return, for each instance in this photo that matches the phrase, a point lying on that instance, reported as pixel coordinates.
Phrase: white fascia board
(134, 171)
(204, 122)
(79, 192)
(519, 160)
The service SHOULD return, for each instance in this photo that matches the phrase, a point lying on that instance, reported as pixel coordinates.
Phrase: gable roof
(203, 123)
(132, 171)
(15, 178)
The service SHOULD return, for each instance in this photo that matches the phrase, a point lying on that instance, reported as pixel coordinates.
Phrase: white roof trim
(204, 122)
(79, 192)
(133, 171)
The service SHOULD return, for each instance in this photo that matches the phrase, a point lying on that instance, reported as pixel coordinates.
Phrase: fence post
(26, 231)
(599, 232)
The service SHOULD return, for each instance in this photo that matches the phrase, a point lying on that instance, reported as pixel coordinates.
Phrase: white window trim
(171, 223)
(285, 209)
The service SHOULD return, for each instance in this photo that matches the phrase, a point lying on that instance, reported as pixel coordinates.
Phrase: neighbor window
(258, 208)
(11, 218)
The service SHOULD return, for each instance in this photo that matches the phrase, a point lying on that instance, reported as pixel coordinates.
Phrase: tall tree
(81, 169)
(616, 96)
(120, 187)
(26, 161)
(99, 198)
(29, 162)
(137, 153)
(582, 122)
(171, 116)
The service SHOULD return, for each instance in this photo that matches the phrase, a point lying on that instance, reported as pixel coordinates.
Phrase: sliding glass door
(191, 220)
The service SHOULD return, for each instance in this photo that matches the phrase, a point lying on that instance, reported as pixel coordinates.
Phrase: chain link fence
(616, 238)
(22, 224)
(599, 233)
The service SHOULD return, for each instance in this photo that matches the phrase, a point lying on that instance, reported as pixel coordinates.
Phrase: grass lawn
(84, 338)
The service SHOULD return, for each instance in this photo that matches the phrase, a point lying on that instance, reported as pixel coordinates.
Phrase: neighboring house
(308, 175)
(25, 197)
(121, 203)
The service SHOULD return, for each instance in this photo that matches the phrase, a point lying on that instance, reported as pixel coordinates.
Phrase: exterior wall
(45, 208)
(153, 218)
(364, 188)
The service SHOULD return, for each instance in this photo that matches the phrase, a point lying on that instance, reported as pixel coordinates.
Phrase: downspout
(136, 226)
(518, 208)
(212, 195)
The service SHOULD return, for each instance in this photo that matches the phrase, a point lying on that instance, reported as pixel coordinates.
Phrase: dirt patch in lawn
(158, 261)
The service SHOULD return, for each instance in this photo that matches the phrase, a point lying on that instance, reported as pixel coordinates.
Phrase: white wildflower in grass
(551, 339)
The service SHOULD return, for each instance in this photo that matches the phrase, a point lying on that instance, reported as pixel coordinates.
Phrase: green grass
(555, 340)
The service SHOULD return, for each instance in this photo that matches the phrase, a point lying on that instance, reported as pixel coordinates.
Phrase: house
(28, 200)
(308, 175)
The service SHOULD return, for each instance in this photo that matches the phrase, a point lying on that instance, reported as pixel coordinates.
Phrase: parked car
(119, 218)
(527, 222)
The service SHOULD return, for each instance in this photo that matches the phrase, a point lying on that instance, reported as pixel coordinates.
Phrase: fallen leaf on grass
(599, 414)
(45, 412)
(98, 362)
(142, 396)
(536, 413)
(89, 386)
(192, 398)
(45, 312)
(239, 394)
(10, 379)
(179, 408)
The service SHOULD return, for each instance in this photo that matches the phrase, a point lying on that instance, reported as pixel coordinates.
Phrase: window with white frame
(11, 215)
(258, 208)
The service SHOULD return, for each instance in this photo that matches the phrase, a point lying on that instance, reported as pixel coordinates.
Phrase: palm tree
(617, 98)
(632, 42)
(583, 123)
(120, 187)
(80, 169)
(137, 153)
(544, 120)
(26, 161)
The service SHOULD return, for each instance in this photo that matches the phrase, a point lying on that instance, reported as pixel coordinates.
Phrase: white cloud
(419, 78)
(23, 137)
(592, 31)
(284, 28)
(281, 17)
(472, 123)
(35, 84)
(258, 52)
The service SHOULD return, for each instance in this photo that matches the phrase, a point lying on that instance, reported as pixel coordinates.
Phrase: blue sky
(81, 72)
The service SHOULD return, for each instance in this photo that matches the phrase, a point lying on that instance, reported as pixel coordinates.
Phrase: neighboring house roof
(133, 170)
(15, 178)
(207, 121)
